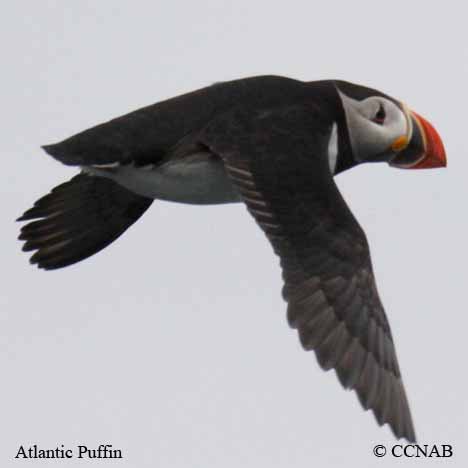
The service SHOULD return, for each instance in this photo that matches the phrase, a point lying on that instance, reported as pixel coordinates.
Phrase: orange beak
(424, 149)
(434, 152)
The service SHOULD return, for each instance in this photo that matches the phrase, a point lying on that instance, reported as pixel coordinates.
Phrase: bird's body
(198, 179)
(155, 151)
(275, 144)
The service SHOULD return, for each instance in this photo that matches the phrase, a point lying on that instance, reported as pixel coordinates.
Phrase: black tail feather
(78, 219)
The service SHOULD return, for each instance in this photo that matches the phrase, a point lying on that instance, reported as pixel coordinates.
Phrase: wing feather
(279, 166)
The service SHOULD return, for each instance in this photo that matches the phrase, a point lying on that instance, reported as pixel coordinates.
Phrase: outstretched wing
(78, 219)
(148, 135)
(278, 160)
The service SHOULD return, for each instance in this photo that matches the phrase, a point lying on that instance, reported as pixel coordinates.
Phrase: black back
(147, 134)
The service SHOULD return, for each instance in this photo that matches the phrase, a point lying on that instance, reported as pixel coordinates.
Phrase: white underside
(200, 181)
(333, 148)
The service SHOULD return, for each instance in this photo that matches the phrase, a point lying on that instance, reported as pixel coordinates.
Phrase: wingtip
(406, 433)
(28, 215)
(69, 152)
(63, 152)
(50, 149)
(410, 433)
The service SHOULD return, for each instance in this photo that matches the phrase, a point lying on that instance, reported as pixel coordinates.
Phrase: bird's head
(382, 129)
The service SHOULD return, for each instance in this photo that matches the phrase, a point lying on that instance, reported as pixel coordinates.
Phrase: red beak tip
(435, 156)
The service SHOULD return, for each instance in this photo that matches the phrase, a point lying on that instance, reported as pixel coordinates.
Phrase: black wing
(147, 135)
(78, 219)
(278, 161)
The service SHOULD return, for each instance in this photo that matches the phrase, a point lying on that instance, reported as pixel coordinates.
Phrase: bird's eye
(380, 115)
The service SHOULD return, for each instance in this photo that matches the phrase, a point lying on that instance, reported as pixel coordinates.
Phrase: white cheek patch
(396, 124)
(369, 139)
(333, 148)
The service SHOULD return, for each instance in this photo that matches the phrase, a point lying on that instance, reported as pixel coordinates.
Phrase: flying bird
(275, 144)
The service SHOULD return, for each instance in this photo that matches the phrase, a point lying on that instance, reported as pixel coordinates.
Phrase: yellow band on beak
(400, 143)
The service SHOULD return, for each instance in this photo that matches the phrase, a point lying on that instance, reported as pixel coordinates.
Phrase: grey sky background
(172, 344)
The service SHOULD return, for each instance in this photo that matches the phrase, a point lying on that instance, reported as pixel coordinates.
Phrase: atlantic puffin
(275, 144)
